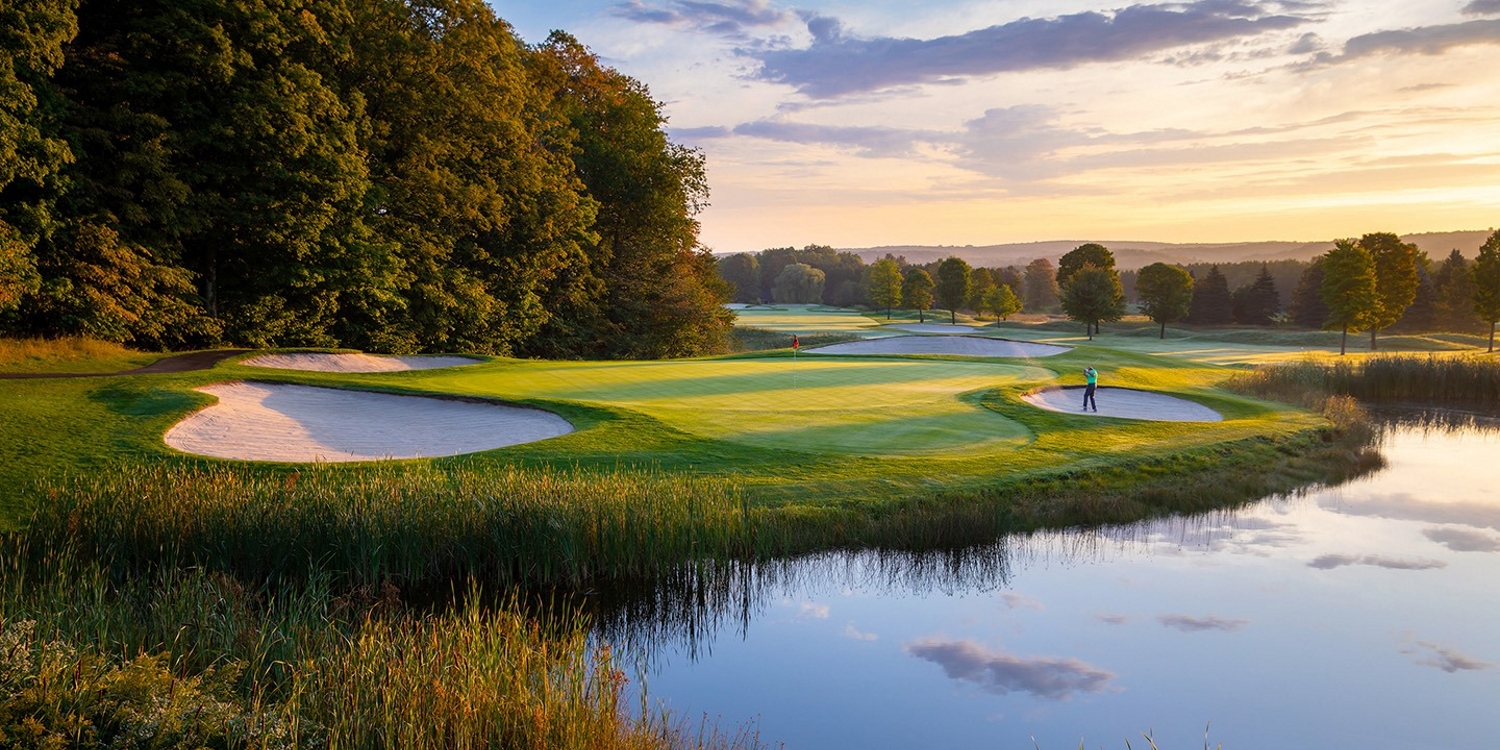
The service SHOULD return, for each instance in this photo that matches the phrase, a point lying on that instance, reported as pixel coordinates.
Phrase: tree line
(379, 174)
(1374, 283)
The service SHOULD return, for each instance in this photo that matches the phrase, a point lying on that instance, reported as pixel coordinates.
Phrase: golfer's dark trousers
(1088, 397)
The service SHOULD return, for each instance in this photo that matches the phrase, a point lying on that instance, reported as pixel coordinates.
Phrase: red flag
(795, 342)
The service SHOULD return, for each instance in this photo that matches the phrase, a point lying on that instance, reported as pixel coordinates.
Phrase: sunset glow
(970, 122)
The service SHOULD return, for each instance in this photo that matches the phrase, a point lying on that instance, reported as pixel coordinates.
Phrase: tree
(1040, 287)
(1093, 295)
(1212, 302)
(953, 285)
(743, 271)
(1453, 286)
(885, 284)
(980, 281)
(1308, 309)
(1423, 313)
(1258, 302)
(1395, 278)
(1487, 284)
(32, 36)
(1166, 293)
(1349, 289)
(1087, 254)
(1001, 301)
(916, 293)
(799, 283)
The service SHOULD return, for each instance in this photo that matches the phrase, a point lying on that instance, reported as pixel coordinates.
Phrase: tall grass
(410, 526)
(68, 353)
(190, 659)
(750, 339)
(1469, 380)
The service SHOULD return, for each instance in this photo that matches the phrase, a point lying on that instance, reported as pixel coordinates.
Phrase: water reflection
(1362, 615)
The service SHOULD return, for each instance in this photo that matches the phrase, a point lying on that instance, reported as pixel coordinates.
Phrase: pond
(1365, 615)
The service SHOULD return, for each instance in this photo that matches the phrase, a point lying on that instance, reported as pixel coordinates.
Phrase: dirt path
(176, 363)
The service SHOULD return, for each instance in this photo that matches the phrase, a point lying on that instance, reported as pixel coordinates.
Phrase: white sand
(355, 362)
(972, 346)
(280, 422)
(1124, 402)
(955, 330)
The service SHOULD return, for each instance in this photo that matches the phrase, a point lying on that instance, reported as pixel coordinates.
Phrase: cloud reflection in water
(1001, 672)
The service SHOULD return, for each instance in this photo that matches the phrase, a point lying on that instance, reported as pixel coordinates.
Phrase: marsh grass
(190, 659)
(1463, 380)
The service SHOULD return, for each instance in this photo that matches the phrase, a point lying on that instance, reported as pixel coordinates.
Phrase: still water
(1365, 615)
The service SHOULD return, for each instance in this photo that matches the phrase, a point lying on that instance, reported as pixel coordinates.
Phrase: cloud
(1113, 619)
(1000, 672)
(1190, 624)
(1421, 40)
(1448, 659)
(732, 18)
(837, 64)
(854, 633)
(1406, 507)
(1482, 8)
(1463, 540)
(813, 611)
(1329, 562)
(1021, 601)
(868, 140)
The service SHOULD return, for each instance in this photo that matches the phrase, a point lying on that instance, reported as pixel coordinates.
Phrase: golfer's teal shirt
(1092, 375)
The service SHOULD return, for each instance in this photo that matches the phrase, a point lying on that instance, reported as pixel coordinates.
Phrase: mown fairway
(805, 319)
(865, 407)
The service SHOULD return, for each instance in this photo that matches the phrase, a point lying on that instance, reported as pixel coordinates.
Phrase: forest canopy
(387, 175)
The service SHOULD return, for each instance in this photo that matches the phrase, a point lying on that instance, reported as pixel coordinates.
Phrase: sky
(977, 122)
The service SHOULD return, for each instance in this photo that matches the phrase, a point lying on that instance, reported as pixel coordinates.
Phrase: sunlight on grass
(805, 319)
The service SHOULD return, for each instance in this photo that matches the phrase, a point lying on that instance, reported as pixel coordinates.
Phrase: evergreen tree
(1422, 316)
(1257, 303)
(1453, 285)
(1349, 289)
(916, 293)
(885, 284)
(1212, 302)
(1487, 284)
(1395, 279)
(953, 285)
(1166, 293)
(1308, 309)
(1093, 295)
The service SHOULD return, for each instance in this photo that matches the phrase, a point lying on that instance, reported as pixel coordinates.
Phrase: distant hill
(1131, 254)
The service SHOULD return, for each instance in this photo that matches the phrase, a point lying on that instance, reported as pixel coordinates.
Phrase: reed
(411, 526)
(1464, 380)
(190, 659)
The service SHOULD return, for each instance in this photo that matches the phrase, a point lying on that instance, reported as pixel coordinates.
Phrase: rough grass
(69, 354)
(763, 339)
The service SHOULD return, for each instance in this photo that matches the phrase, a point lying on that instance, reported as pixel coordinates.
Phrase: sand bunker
(972, 346)
(355, 362)
(280, 422)
(1124, 402)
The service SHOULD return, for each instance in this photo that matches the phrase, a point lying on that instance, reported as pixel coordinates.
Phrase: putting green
(859, 407)
(805, 319)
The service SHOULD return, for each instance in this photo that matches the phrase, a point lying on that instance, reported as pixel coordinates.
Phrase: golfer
(1088, 391)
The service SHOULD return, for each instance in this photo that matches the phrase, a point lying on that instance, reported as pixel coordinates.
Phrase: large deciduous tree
(1093, 295)
(885, 284)
(916, 293)
(953, 285)
(1087, 254)
(1349, 289)
(799, 283)
(1487, 284)
(1039, 286)
(1165, 292)
(743, 271)
(1001, 301)
(1395, 279)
